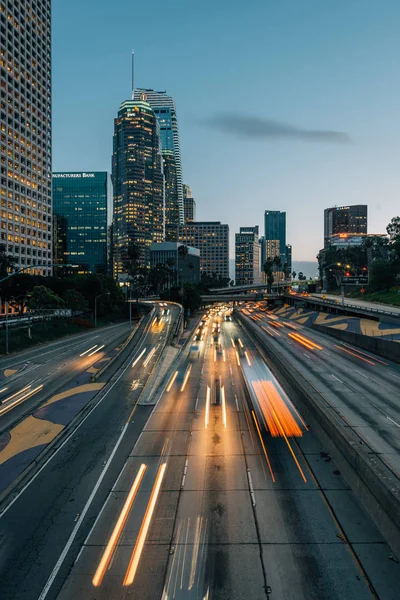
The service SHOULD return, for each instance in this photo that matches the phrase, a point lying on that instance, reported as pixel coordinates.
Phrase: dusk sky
(282, 104)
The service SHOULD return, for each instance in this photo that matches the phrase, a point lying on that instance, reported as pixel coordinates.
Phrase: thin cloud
(256, 128)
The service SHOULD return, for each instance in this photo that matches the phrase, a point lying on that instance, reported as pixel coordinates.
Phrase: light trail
(223, 406)
(3, 390)
(367, 355)
(269, 332)
(215, 355)
(17, 393)
(86, 351)
(19, 400)
(237, 358)
(171, 383)
(294, 337)
(139, 357)
(233, 343)
(240, 342)
(119, 526)
(291, 449)
(354, 354)
(302, 337)
(274, 409)
(247, 358)
(186, 378)
(207, 413)
(263, 447)
(137, 551)
(223, 355)
(97, 350)
(149, 357)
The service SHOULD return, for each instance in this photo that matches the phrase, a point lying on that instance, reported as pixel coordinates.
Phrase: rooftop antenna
(133, 74)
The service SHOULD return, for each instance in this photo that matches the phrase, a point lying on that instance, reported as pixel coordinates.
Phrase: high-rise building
(189, 204)
(171, 198)
(272, 248)
(275, 229)
(345, 219)
(288, 261)
(165, 111)
(138, 183)
(247, 256)
(25, 183)
(212, 239)
(183, 261)
(263, 252)
(82, 214)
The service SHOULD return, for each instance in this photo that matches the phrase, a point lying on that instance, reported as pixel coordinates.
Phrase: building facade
(163, 106)
(82, 215)
(345, 219)
(212, 239)
(272, 248)
(247, 256)
(275, 229)
(183, 261)
(171, 198)
(289, 266)
(25, 110)
(263, 252)
(138, 183)
(189, 205)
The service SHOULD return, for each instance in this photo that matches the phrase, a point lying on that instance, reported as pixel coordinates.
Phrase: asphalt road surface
(362, 388)
(36, 526)
(203, 504)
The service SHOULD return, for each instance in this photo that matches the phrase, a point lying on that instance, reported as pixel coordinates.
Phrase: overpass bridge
(254, 286)
(235, 297)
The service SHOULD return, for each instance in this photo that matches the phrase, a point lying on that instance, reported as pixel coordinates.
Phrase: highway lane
(362, 387)
(49, 368)
(36, 527)
(208, 505)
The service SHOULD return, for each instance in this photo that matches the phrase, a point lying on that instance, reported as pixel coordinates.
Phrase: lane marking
(337, 378)
(393, 421)
(363, 374)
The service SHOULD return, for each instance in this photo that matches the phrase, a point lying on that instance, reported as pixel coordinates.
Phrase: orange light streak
(368, 356)
(138, 549)
(171, 383)
(356, 355)
(291, 449)
(300, 341)
(269, 332)
(263, 447)
(119, 526)
(275, 410)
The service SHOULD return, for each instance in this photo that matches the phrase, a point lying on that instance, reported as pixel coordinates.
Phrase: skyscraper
(212, 239)
(165, 111)
(25, 184)
(345, 219)
(189, 204)
(275, 229)
(171, 198)
(82, 209)
(247, 256)
(138, 182)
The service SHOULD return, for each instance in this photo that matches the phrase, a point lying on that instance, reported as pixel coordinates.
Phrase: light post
(95, 306)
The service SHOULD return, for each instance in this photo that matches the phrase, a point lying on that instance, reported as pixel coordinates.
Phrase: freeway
(355, 302)
(36, 525)
(207, 504)
(361, 387)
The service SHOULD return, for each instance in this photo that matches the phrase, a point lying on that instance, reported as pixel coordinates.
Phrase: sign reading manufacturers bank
(72, 175)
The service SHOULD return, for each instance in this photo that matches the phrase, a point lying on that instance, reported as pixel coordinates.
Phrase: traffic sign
(362, 290)
(354, 280)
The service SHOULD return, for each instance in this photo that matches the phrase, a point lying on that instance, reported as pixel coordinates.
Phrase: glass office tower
(25, 103)
(82, 208)
(138, 183)
(275, 229)
(171, 198)
(165, 111)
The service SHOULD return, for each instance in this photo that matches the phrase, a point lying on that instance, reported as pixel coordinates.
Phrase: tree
(75, 301)
(268, 270)
(383, 274)
(7, 262)
(301, 276)
(44, 298)
(294, 274)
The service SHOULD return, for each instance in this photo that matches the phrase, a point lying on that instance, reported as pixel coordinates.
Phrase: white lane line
(253, 498)
(306, 355)
(337, 378)
(237, 405)
(363, 374)
(393, 421)
(390, 373)
(71, 538)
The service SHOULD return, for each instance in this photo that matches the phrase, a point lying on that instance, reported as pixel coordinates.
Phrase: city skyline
(305, 89)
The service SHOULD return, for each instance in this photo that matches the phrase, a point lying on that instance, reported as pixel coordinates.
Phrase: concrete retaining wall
(384, 348)
(375, 486)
